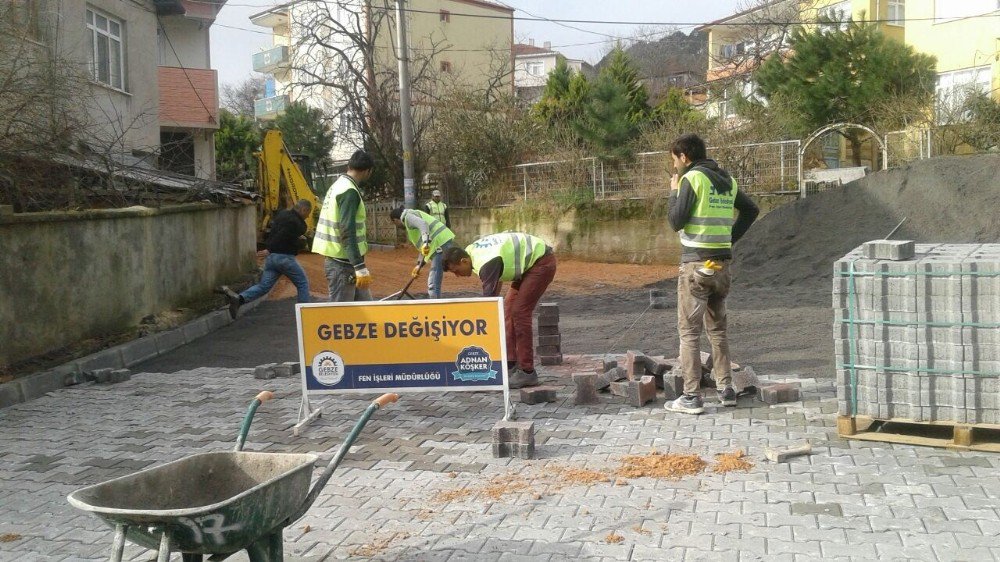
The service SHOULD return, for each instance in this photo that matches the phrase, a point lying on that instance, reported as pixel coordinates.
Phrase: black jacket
(286, 228)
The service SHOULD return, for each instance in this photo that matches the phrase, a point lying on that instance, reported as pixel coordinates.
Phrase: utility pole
(405, 115)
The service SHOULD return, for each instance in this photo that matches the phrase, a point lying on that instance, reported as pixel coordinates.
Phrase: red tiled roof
(522, 49)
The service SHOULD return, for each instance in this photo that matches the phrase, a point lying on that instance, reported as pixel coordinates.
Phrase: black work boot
(235, 301)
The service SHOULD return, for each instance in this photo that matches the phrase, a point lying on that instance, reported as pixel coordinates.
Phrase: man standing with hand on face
(701, 207)
(341, 235)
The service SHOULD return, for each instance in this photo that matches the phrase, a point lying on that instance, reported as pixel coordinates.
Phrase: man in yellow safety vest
(701, 207)
(431, 237)
(529, 265)
(437, 208)
(341, 235)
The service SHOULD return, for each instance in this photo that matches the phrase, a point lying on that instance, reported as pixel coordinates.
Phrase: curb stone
(25, 389)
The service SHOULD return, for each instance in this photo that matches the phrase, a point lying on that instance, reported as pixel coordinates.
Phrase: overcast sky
(233, 48)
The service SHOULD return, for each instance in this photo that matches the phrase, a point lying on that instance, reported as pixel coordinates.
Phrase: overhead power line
(646, 23)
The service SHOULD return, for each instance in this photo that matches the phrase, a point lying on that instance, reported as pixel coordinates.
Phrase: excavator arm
(281, 182)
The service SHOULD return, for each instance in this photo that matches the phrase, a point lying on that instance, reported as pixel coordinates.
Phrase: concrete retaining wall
(69, 276)
(613, 237)
(629, 231)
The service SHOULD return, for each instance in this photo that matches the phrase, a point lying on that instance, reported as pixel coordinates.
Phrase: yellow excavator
(281, 183)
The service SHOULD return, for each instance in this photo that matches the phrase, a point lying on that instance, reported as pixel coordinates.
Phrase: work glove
(425, 249)
(362, 278)
(416, 271)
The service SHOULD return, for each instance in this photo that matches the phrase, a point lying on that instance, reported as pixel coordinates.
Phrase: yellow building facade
(964, 37)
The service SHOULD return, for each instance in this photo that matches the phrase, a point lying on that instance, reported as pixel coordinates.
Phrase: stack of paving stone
(917, 332)
(549, 348)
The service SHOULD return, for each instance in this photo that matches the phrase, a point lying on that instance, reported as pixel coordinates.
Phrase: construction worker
(529, 265)
(288, 229)
(700, 207)
(437, 208)
(341, 236)
(431, 237)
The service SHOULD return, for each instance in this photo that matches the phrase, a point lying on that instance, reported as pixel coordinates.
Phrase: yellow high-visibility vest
(519, 252)
(438, 232)
(437, 209)
(711, 222)
(328, 240)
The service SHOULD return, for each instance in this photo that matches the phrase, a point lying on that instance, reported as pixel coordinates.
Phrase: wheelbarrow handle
(241, 439)
(379, 402)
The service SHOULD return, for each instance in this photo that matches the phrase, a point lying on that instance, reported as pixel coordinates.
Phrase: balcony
(271, 60)
(189, 98)
(269, 108)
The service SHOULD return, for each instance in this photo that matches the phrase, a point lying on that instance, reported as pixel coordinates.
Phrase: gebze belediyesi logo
(473, 365)
(328, 368)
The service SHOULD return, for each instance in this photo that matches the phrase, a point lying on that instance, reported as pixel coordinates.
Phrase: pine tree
(305, 131)
(553, 108)
(235, 141)
(674, 111)
(621, 70)
(844, 75)
(605, 125)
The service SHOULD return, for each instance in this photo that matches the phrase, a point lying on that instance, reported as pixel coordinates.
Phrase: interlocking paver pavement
(848, 500)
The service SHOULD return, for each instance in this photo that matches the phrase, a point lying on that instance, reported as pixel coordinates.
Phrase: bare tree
(345, 62)
(239, 98)
(39, 97)
(63, 142)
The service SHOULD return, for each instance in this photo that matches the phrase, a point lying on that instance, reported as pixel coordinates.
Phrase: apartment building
(461, 42)
(739, 43)
(147, 94)
(188, 86)
(532, 65)
(965, 38)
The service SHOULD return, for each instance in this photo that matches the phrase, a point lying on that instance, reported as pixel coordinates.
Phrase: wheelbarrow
(215, 504)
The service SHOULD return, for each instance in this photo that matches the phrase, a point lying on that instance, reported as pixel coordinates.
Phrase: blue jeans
(436, 274)
(275, 266)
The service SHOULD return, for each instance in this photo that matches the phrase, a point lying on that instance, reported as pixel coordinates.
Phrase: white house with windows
(315, 54)
(965, 38)
(150, 97)
(532, 66)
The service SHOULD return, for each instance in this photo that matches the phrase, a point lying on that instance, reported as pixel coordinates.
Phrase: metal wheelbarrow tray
(206, 503)
(215, 503)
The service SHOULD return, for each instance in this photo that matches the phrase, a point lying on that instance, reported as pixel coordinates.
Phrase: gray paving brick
(778, 546)
(404, 456)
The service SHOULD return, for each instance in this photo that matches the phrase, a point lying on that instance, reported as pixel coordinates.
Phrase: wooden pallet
(951, 435)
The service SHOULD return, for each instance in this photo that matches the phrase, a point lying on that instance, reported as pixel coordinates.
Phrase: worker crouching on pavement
(341, 234)
(288, 229)
(529, 265)
(701, 205)
(431, 237)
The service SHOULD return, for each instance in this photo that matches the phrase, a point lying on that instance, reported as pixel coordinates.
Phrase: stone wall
(70, 276)
(615, 231)
(604, 234)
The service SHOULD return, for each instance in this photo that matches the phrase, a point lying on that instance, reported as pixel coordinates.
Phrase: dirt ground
(784, 331)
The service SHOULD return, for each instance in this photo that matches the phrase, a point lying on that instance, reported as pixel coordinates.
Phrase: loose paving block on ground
(422, 483)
